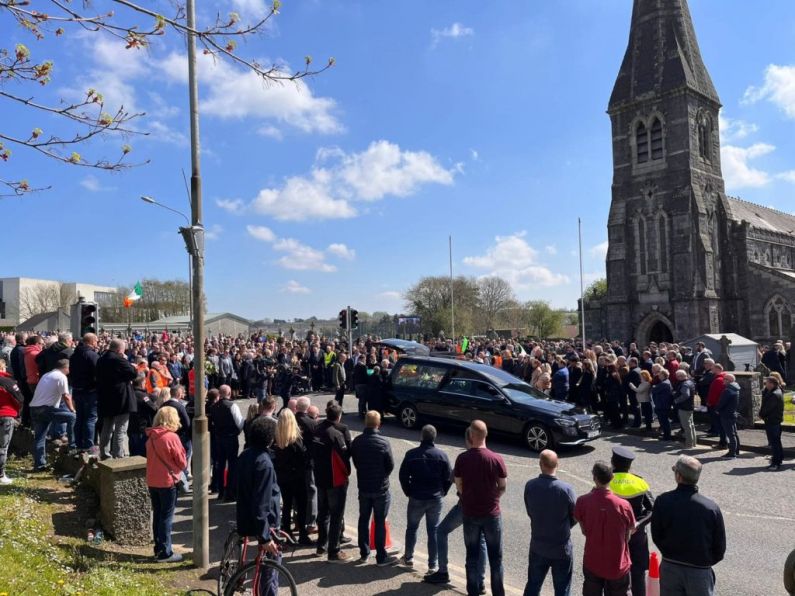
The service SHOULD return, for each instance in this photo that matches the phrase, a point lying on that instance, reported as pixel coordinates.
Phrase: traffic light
(354, 319)
(343, 319)
(88, 314)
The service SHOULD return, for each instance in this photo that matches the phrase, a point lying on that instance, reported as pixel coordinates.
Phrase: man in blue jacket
(560, 383)
(372, 457)
(727, 411)
(425, 477)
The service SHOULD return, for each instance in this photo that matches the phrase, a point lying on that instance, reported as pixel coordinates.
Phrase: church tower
(668, 209)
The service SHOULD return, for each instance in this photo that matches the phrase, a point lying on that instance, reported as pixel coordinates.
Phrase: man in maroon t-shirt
(607, 522)
(480, 477)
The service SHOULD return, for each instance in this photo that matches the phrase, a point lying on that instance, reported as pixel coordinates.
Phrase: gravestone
(750, 397)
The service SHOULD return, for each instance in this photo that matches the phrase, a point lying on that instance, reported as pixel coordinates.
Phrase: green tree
(430, 299)
(597, 290)
(543, 321)
(494, 296)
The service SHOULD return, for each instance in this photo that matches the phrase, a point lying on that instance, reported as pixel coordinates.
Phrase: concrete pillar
(125, 508)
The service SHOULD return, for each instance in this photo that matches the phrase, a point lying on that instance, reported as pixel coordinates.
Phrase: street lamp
(194, 244)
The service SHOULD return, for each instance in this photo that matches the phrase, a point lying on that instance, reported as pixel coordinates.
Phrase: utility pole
(582, 285)
(350, 332)
(452, 297)
(201, 443)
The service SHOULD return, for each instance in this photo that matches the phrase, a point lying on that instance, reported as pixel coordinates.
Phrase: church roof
(662, 54)
(761, 218)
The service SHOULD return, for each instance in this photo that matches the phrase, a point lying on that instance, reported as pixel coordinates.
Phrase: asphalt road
(757, 506)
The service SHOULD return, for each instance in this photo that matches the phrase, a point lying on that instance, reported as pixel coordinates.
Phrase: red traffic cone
(388, 542)
(653, 579)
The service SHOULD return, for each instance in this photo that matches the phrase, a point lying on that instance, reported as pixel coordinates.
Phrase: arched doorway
(660, 332)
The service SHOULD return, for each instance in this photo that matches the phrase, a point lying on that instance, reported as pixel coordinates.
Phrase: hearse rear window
(419, 375)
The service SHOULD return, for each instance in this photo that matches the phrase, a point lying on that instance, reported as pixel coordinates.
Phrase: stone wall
(125, 509)
(750, 397)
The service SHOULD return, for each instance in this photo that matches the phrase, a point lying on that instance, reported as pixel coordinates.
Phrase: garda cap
(622, 454)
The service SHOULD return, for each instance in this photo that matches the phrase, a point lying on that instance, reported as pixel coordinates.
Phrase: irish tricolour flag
(134, 296)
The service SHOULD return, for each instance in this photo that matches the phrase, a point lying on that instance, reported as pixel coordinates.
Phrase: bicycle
(260, 577)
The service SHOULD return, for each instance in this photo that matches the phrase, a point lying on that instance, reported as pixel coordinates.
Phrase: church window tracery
(642, 143)
(705, 136)
(656, 139)
(642, 247)
(662, 241)
(779, 317)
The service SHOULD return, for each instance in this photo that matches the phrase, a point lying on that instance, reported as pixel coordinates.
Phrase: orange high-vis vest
(154, 382)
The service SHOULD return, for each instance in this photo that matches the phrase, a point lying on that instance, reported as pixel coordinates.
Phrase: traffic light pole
(350, 332)
(201, 443)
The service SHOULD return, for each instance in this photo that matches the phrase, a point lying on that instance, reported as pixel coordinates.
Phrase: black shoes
(438, 577)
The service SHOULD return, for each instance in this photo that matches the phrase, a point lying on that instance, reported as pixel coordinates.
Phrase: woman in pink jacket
(165, 460)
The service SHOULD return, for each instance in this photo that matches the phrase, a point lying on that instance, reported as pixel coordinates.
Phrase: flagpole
(452, 297)
(582, 285)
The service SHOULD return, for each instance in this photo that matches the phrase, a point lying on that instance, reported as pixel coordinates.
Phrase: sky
(483, 121)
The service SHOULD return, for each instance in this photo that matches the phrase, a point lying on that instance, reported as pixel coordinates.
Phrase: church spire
(662, 54)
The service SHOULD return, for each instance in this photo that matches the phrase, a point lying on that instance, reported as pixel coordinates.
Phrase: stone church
(684, 258)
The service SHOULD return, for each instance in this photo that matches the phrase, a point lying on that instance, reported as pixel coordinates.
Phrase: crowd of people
(117, 396)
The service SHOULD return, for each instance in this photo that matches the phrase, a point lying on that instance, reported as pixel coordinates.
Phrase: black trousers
(226, 449)
(294, 498)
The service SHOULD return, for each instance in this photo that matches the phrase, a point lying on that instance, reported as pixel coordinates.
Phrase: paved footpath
(757, 505)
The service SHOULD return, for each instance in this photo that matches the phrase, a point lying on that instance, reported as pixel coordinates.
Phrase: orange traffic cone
(653, 579)
(388, 542)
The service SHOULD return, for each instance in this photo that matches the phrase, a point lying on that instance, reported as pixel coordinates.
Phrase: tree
(160, 299)
(494, 296)
(597, 290)
(543, 320)
(44, 297)
(135, 26)
(430, 299)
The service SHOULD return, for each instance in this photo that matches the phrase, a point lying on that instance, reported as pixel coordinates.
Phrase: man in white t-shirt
(51, 403)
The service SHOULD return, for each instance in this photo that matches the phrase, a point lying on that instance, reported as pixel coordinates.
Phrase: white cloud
(738, 172)
(600, 250)
(778, 88)
(251, 8)
(213, 232)
(391, 295)
(301, 257)
(735, 130)
(342, 251)
(513, 259)
(338, 180)
(293, 287)
(158, 131)
(590, 277)
(551, 249)
(787, 176)
(473, 153)
(261, 233)
(454, 31)
(93, 184)
(232, 92)
(270, 131)
(236, 206)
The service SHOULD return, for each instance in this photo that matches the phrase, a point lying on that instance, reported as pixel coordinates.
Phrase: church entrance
(660, 332)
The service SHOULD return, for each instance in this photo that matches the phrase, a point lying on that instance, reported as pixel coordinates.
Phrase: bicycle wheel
(268, 579)
(233, 551)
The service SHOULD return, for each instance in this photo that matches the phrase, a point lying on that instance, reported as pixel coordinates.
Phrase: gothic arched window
(656, 139)
(705, 137)
(662, 238)
(642, 247)
(642, 143)
(779, 317)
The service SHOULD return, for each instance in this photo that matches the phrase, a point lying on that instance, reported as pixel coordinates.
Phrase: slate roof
(761, 218)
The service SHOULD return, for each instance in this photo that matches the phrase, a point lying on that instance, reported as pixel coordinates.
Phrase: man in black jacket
(117, 400)
(772, 412)
(141, 419)
(689, 531)
(630, 398)
(425, 477)
(227, 422)
(373, 459)
(308, 425)
(60, 350)
(83, 376)
(360, 383)
(332, 466)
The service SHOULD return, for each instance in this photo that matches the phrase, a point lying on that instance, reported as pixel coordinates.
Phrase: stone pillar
(125, 509)
(750, 396)
(791, 358)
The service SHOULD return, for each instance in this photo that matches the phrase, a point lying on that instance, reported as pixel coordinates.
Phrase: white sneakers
(5, 480)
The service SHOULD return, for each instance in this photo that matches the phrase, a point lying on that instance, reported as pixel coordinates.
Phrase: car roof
(495, 375)
(409, 347)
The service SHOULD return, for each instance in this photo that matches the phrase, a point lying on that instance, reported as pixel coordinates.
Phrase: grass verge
(43, 548)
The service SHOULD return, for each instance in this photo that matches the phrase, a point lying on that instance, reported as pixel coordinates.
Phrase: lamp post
(182, 230)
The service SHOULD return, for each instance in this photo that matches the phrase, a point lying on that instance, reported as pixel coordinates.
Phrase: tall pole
(452, 297)
(201, 444)
(190, 287)
(582, 285)
(350, 332)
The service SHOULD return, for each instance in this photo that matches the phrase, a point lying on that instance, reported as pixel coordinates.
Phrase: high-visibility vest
(154, 381)
(628, 485)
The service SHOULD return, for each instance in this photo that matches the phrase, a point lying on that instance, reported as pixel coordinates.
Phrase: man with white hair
(308, 425)
(115, 399)
(684, 401)
(56, 349)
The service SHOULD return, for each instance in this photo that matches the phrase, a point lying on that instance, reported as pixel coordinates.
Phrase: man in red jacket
(10, 406)
(713, 397)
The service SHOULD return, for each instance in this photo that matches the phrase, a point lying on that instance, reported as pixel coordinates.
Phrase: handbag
(179, 479)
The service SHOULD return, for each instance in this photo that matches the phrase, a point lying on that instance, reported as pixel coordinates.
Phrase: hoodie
(165, 458)
(729, 401)
(31, 368)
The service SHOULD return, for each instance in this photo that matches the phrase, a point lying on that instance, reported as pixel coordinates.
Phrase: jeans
(537, 569)
(226, 455)
(686, 420)
(489, 528)
(663, 417)
(311, 498)
(717, 427)
(113, 439)
(42, 416)
(86, 423)
(164, 501)
(187, 444)
(431, 509)
(773, 432)
(6, 430)
(681, 580)
(648, 414)
(331, 509)
(598, 586)
(730, 430)
(377, 505)
(451, 521)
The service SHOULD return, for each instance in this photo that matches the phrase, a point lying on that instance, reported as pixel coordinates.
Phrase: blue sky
(481, 120)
